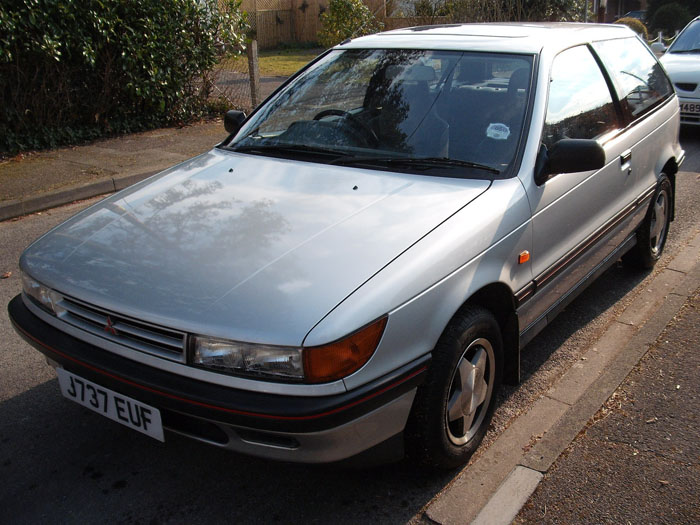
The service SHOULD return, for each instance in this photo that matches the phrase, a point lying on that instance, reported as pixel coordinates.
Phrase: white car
(682, 63)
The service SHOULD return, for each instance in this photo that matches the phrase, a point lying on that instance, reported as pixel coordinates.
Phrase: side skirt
(536, 327)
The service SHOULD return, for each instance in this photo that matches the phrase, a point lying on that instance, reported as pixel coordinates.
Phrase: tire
(450, 416)
(652, 233)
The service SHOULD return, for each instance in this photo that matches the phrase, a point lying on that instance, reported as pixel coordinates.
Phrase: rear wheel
(651, 235)
(454, 406)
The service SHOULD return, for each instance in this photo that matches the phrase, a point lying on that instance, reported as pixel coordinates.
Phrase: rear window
(640, 82)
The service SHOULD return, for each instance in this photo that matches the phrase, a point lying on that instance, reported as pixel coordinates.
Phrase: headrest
(415, 73)
(519, 79)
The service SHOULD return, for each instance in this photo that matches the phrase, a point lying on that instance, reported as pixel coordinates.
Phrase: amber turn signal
(523, 257)
(341, 358)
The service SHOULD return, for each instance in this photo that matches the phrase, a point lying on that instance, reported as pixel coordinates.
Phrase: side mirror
(569, 156)
(233, 120)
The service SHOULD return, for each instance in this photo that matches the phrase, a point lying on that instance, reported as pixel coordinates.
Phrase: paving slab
(686, 261)
(576, 381)
(651, 297)
(509, 497)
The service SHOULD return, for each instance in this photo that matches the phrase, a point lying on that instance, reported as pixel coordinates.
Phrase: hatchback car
(359, 264)
(682, 63)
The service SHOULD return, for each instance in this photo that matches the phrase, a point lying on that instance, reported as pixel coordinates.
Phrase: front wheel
(651, 235)
(454, 406)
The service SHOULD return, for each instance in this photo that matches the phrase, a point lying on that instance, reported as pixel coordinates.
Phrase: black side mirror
(233, 120)
(569, 156)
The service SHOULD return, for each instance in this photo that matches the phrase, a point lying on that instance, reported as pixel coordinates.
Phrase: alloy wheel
(470, 392)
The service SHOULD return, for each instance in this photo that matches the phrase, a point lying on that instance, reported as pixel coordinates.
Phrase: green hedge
(76, 69)
(346, 19)
(635, 25)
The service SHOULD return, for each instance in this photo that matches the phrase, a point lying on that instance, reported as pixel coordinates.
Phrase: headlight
(249, 359)
(42, 295)
(317, 364)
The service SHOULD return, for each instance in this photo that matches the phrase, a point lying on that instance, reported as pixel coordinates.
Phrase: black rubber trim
(528, 291)
(571, 257)
(524, 293)
(219, 403)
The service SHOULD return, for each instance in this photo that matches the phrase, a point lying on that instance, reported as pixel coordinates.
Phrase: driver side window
(580, 105)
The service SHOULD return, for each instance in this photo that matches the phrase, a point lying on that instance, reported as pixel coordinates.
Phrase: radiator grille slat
(123, 330)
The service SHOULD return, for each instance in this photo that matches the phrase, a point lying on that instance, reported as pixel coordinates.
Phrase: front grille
(144, 337)
(686, 86)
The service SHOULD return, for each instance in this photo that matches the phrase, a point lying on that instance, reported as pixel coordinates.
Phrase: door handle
(626, 161)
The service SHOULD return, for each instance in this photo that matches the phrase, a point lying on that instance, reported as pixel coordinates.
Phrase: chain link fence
(228, 85)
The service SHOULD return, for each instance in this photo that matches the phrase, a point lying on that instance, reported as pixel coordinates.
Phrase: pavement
(614, 439)
(46, 179)
(41, 180)
(638, 459)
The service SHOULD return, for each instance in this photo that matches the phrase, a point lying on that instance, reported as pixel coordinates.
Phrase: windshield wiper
(427, 162)
(694, 50)
(288, 148)
(343, 159)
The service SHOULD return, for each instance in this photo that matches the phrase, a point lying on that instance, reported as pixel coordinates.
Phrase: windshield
(407, 110)
(688, 41)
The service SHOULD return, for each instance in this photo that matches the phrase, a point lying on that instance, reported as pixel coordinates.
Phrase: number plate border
(117, 407)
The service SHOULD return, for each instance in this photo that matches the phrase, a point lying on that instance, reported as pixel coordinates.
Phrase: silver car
(357, 267)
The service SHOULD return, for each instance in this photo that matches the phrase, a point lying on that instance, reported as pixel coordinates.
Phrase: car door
(576, 216)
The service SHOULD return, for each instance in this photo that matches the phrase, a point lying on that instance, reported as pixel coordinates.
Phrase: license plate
(111, 404)
(690, 108)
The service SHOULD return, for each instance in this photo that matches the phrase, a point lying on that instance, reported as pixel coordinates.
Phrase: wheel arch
(498, 299)
(670, 169)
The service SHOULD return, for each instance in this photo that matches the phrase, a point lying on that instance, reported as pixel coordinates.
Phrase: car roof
(528, 38)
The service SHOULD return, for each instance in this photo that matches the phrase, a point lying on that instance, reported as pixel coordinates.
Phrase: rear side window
(640, 81)
(580, 104)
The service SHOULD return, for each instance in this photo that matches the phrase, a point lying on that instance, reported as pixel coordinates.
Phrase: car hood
(242, 246)
(682, 67)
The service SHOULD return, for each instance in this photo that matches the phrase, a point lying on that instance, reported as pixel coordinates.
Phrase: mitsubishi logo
(109, 327)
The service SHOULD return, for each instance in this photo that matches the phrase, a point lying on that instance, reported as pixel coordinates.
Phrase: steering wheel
(369, 136)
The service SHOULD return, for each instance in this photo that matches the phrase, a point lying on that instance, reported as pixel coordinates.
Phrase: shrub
(346, 19)
(635, 25)
(670, 17)
(71, 71)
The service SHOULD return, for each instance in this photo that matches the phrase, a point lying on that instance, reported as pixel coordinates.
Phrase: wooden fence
(277, 22)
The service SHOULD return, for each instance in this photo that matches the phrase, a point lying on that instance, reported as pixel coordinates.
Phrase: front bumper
(290, 428)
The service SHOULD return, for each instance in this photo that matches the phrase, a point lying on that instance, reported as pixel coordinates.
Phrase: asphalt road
(63, 464)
